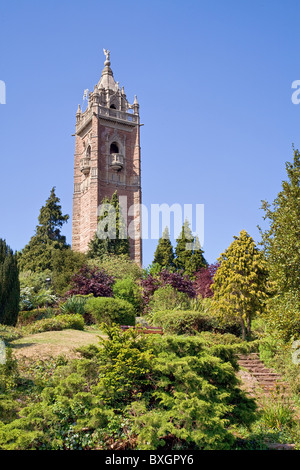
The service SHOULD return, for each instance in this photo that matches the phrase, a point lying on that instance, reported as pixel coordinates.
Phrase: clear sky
(213, 79)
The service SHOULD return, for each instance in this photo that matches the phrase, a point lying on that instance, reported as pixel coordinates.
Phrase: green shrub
(57, 323)
(109, 310)
(168, 298)
(27, 317)
(283, 316)
(134, 392)
(9, 333)
(182, 322)
(127, 289)
(75, 304)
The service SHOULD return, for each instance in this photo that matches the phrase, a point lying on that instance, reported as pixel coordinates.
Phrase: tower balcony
(116, 161)
(85, 166)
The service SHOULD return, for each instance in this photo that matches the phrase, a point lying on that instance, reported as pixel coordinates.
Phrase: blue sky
(213, 80)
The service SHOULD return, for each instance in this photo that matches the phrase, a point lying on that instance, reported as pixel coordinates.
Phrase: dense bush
(168, 298)
(282, 316)
(118, 266)
(30, 299)
(204, 279)
(109, 310)
(56, 323)
(127, 289)
(180, 282)
(135, 392)
(91, 280)
(30, 316)
(183, 322)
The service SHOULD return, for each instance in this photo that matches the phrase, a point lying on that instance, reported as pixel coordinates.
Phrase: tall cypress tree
(164, 254)
(189, 255)
(9, 285)
(37, 254)
(110, 237)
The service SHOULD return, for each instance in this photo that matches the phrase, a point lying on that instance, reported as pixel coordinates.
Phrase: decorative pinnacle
(107, 55)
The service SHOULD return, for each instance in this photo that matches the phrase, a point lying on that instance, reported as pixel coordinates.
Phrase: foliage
(109, 310)
(189, 255)
(204, 280)
(56, 323)
(9, 374)
(127, 289)
(30, 316)
(9, 285)
(38, 253)
(183, 322)
(91, 280)
(164, 254)
(29, 299)
(180, 282)
(135, 392)
(111, 232)
(240, 282)
(281, 241)
(9, 333)
(282, 315)
(168, 298)
(74, 304)
(118, 266)
(65, 264)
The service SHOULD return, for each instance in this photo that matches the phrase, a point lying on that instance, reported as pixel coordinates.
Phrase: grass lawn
(54, 343)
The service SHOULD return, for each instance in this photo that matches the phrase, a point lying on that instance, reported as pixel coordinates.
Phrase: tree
(9, 285)
(110, 237)
(189, 255)
(65, 264)
(204, 279)
(281, 241)
(240, 282)
(164, 254)
(37, 254)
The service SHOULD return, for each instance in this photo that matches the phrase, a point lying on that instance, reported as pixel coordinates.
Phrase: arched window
(114, 148)
(88, 152)
(112, 106)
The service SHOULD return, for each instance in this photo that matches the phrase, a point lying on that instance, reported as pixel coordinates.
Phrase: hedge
(109, 310)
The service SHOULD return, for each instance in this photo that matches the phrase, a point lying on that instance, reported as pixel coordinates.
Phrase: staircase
(261, 382)
(258, 379)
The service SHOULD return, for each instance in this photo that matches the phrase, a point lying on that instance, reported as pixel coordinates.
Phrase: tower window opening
(114, 148)
(112, 106)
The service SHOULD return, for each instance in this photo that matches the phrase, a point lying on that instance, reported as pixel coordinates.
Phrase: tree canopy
(9, 285)
(37, 254)
(281, 241)
(240, 282)
(110, 237)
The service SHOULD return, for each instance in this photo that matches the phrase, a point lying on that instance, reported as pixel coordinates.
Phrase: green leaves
(240, 282)
(38, 253)
(281, 241)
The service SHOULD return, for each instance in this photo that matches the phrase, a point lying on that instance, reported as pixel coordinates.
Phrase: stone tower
(107, 159)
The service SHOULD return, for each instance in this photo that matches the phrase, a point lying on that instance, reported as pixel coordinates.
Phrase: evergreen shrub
(110, 310)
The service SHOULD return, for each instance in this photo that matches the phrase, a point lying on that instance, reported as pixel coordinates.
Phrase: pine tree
(282, 240)
(164, 254)
(189, 255)
(239, 285)
(9, 286)
(37, 254)
(110, 237)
